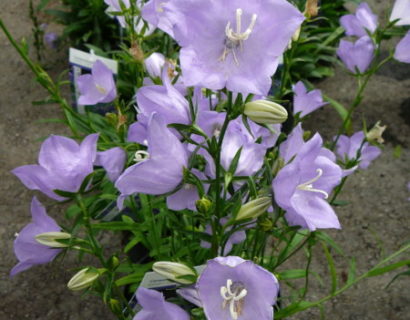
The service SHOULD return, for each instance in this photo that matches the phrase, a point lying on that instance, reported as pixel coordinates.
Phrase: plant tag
(81, 63)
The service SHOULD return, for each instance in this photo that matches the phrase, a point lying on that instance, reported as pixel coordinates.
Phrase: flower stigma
(233, 295)
(141, 155)
(234, 40)
(308, 185)
(101, 89)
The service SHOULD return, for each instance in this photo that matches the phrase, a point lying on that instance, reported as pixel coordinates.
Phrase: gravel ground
(377, 212)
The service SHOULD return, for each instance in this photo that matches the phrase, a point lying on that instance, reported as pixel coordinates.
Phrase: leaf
(352, 271)
(391, 267)
(323, 236)
(292, 309)
(115, 226)
(292, 274)
(341, 110)
(332, 267)
(405, 273)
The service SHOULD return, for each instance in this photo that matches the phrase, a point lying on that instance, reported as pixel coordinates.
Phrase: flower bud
(311, 8)
(254, 208)
(174, 271)
(203, 205)
(265, 112)
(83, 279)
(49, 239)
(154, 64)
(375, 134)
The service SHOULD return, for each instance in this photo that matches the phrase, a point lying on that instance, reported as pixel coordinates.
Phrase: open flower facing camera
(196, 154)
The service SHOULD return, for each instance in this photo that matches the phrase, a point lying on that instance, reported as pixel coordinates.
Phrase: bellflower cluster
(63, 165)
(28, 251)
(305, 102)
(97, 87)
(234, 44)
(302, 186)
(358, 55)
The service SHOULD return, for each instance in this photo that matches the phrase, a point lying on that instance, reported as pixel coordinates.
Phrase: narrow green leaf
(332, 268)
(391, 267)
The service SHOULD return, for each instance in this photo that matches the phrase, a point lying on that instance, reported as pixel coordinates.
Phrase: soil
(375, 222)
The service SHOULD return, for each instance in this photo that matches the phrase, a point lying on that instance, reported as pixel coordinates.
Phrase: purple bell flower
(231, 288)
(356, 55)
(357, 24)
(27, 250)
(158, 15)
(113, 161)
(63, 165)
(402, 52)
(97, 87)
(162, 169)
(234, 44)
(302, 187)
(292, 145)
(401, 11)
(306, 102)
(154, 307)
(348, 148)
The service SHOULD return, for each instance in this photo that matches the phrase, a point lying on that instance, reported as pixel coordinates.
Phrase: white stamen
(235, 39)
(141, 155)
(308, 185)
(233, 296)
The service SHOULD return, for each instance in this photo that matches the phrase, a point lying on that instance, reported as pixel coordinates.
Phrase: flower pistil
(233, 294)
(308, 185)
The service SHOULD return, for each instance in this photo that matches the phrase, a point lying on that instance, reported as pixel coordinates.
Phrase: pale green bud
(265, 112)
(375, 134)
(174, 271)
(83, 279)
(49, 239)
(254, 208)
(203, 205)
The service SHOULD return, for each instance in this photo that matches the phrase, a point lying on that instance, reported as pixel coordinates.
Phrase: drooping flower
(302, 187)
(356, 55)
(402, 52)
(97, 87)
(306, 102)
(154, 307)
(63, 165)
(113, 161)
(162, 169)
(28, 251)
(234, 44)
(356, 148)
(158, 15)
(401, 10)
(357, 24)
(231, 288)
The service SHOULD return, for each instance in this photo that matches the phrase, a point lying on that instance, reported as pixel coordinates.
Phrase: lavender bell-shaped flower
(356, 148)
(357, 55)
(154, 307)
(401, 11)
(63, 165)
(231, 288)
(357, 24)
(302, 187)
(28, 251)
(97, 87)
(160, 169)
(305, 102)
(234, 44)
(158, 15)
(113, 161)
(402, 52)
